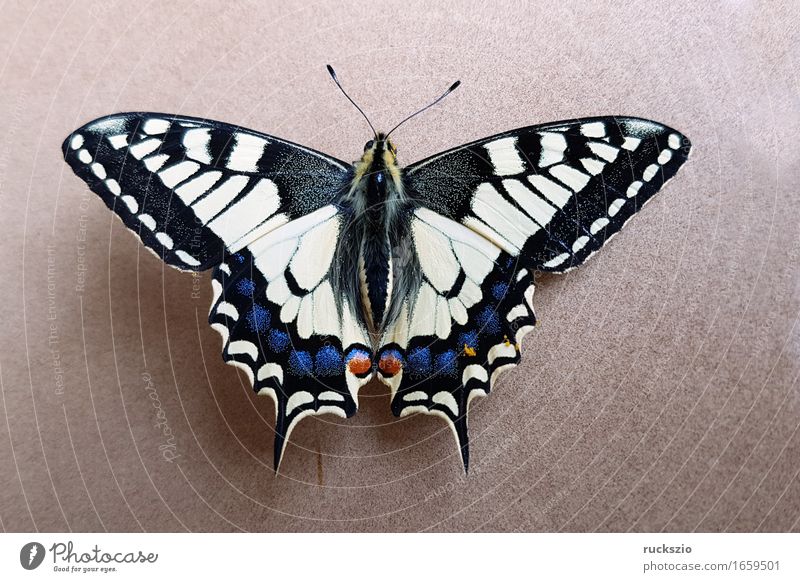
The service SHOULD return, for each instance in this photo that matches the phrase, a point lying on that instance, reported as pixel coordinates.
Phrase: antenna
(445, 94)
(338, 84)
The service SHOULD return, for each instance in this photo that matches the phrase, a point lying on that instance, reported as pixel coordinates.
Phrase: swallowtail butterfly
(329, 274)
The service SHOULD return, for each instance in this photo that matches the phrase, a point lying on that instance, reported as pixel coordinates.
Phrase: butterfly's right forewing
(552, 194)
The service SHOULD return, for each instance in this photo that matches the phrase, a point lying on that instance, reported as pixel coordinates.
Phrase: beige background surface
(659, 393)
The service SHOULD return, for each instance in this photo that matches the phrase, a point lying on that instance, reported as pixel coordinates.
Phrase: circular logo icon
(31, 555)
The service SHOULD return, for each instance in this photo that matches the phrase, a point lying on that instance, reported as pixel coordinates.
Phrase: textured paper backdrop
(659, 393)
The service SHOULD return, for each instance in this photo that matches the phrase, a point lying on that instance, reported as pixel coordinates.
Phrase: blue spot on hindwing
(469, 339)
(499, 290)
(447, 364)
(419, 362)
(258, 318)
(277, 340)
(246, 287)
(300, 363)
(488, 321)
(329, 361)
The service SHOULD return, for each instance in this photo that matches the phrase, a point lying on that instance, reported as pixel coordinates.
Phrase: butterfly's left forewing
(193, 188)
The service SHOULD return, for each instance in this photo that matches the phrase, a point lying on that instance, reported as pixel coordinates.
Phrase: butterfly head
(379, 145)
(380, 156)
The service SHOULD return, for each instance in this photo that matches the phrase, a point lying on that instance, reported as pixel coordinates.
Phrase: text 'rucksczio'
(665, 549)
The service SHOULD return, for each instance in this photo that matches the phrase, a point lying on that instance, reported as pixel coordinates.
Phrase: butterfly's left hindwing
(281, 324)
(206, 194)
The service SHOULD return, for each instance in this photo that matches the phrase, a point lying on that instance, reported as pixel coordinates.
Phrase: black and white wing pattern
(192, 188)
(493, 212)
(552, 194)
(204, 194)
(267, 215)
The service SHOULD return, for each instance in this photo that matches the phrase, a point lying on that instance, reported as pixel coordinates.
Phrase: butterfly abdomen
(376, 275)
(376, 258)
(378, 216)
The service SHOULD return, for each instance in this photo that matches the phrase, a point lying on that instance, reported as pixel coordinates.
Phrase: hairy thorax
(375, 239)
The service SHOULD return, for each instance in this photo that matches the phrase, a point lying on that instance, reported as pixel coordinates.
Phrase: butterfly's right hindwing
(461, 329)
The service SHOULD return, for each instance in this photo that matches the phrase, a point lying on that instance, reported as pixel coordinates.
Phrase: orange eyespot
(358, 361)
(359, 365)
(390, 365)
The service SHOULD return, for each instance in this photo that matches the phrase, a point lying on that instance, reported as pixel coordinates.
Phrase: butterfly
(328, 274)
